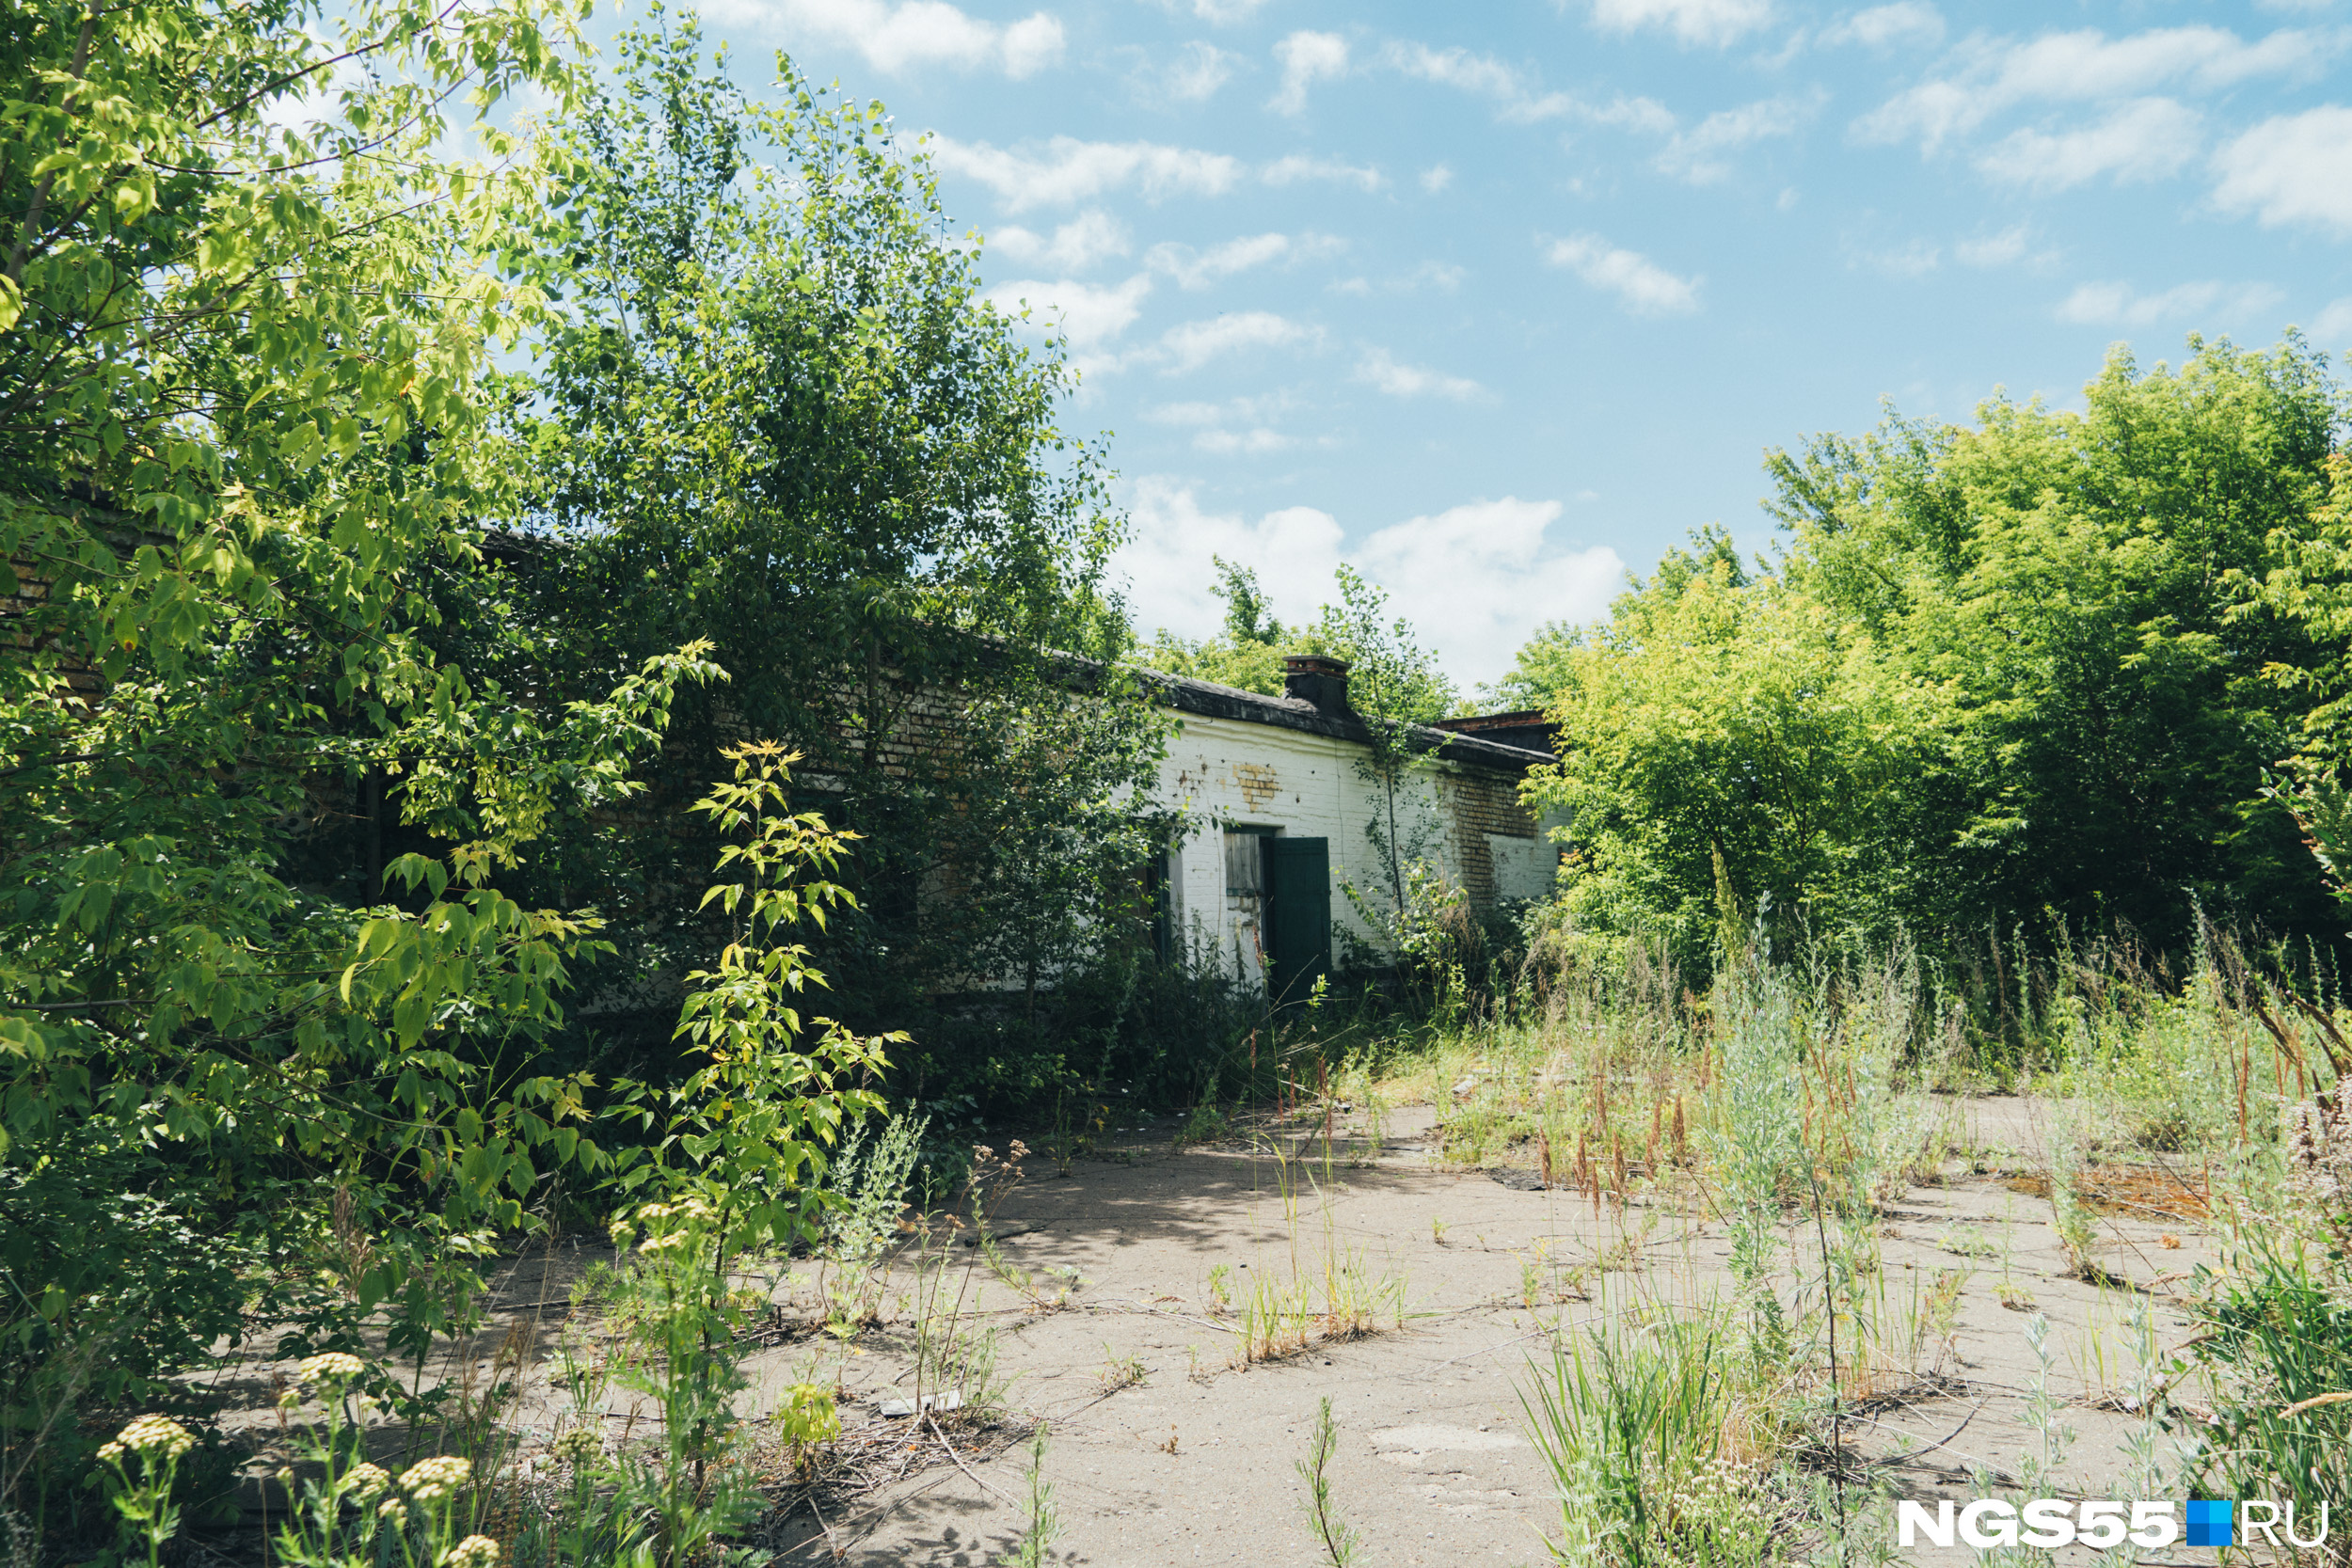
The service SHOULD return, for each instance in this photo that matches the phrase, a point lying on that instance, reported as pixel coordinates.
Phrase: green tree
(775, 413)
(1724, 733)
(246, 447)
(1247, 653)
(2033, 669)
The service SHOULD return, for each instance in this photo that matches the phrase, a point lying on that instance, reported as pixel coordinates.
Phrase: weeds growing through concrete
(1043, 1525)
(1338, 1542)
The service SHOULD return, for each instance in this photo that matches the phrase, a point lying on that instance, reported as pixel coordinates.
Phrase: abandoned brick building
(1281, 798)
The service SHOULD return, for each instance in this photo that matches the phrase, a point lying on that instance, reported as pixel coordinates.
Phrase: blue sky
(1497, 302)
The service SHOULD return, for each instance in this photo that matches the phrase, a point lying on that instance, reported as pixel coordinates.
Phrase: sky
(1498, 303)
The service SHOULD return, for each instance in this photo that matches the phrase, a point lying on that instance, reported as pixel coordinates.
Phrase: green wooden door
(1298, 914)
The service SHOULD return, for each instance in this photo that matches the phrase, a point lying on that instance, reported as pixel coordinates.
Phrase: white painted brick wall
(1225, 771)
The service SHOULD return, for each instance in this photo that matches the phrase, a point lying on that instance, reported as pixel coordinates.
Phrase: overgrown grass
(1788, 1104)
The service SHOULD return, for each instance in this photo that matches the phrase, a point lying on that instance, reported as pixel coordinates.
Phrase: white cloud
(1071, 170)
(1514, 97)
(1993, 250)
(1298, 166)
(1227, 443)
(1435, 178)
(1306, 58)
(1216, 12)
(1198, 269)
(1088, 314)
(1242, 410)
(915, 33)
(1195, 344)
(2121, 304)
(1476, 581)
(1442, 276)
(1914, 260)
(2086, 66)
(1697, 154)
(1508, 90)
(1644, 288)
(1199, 71)
(1166, 560)
(1716, 21)
(1630, 114)
(2291, 168)
(2334, 323)
(1379, 370)
(1910, 22)
(1090, 237)
(1242, 425)
(2145, 139)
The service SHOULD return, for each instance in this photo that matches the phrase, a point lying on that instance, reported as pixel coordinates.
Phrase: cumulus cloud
(1306, 58)
(1198, 269)
(1243, 425)
(1911, 21)
(2334, 323)
(2121, 304)
(1642, 286)
(1698, 154)
(1435, 178)
(1166, 560)
(1993, 250)
(1070, 170)
(1216, 12)
(1076, 245)
(1195, 344)
(1442, 276)
(1090, 315)
(2291, 168)
(2145, 139)
(2085, 66)
(1916, 259)
(1298, 166)
(1514, 96)
(1192, 74)
(1476, 580)
(1200, 69)
(1714, 22)
(913, 33)
(1517, 97)
(1381, 370)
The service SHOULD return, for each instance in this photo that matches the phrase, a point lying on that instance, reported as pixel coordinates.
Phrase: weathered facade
(1282, 801)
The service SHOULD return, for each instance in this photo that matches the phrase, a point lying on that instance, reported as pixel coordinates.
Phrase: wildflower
(577, 1445)
(112, 1453)
(431, 1480)
(156, 1437)
(334, 1366)
(365, 1481)
(475, 1551)
(392, 1508)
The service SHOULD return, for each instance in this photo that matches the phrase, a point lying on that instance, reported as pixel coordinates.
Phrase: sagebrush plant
(1042, 1525)
(866, 1186)
(1759, 1151)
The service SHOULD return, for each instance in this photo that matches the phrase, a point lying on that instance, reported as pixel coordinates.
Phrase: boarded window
(1244, 862)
